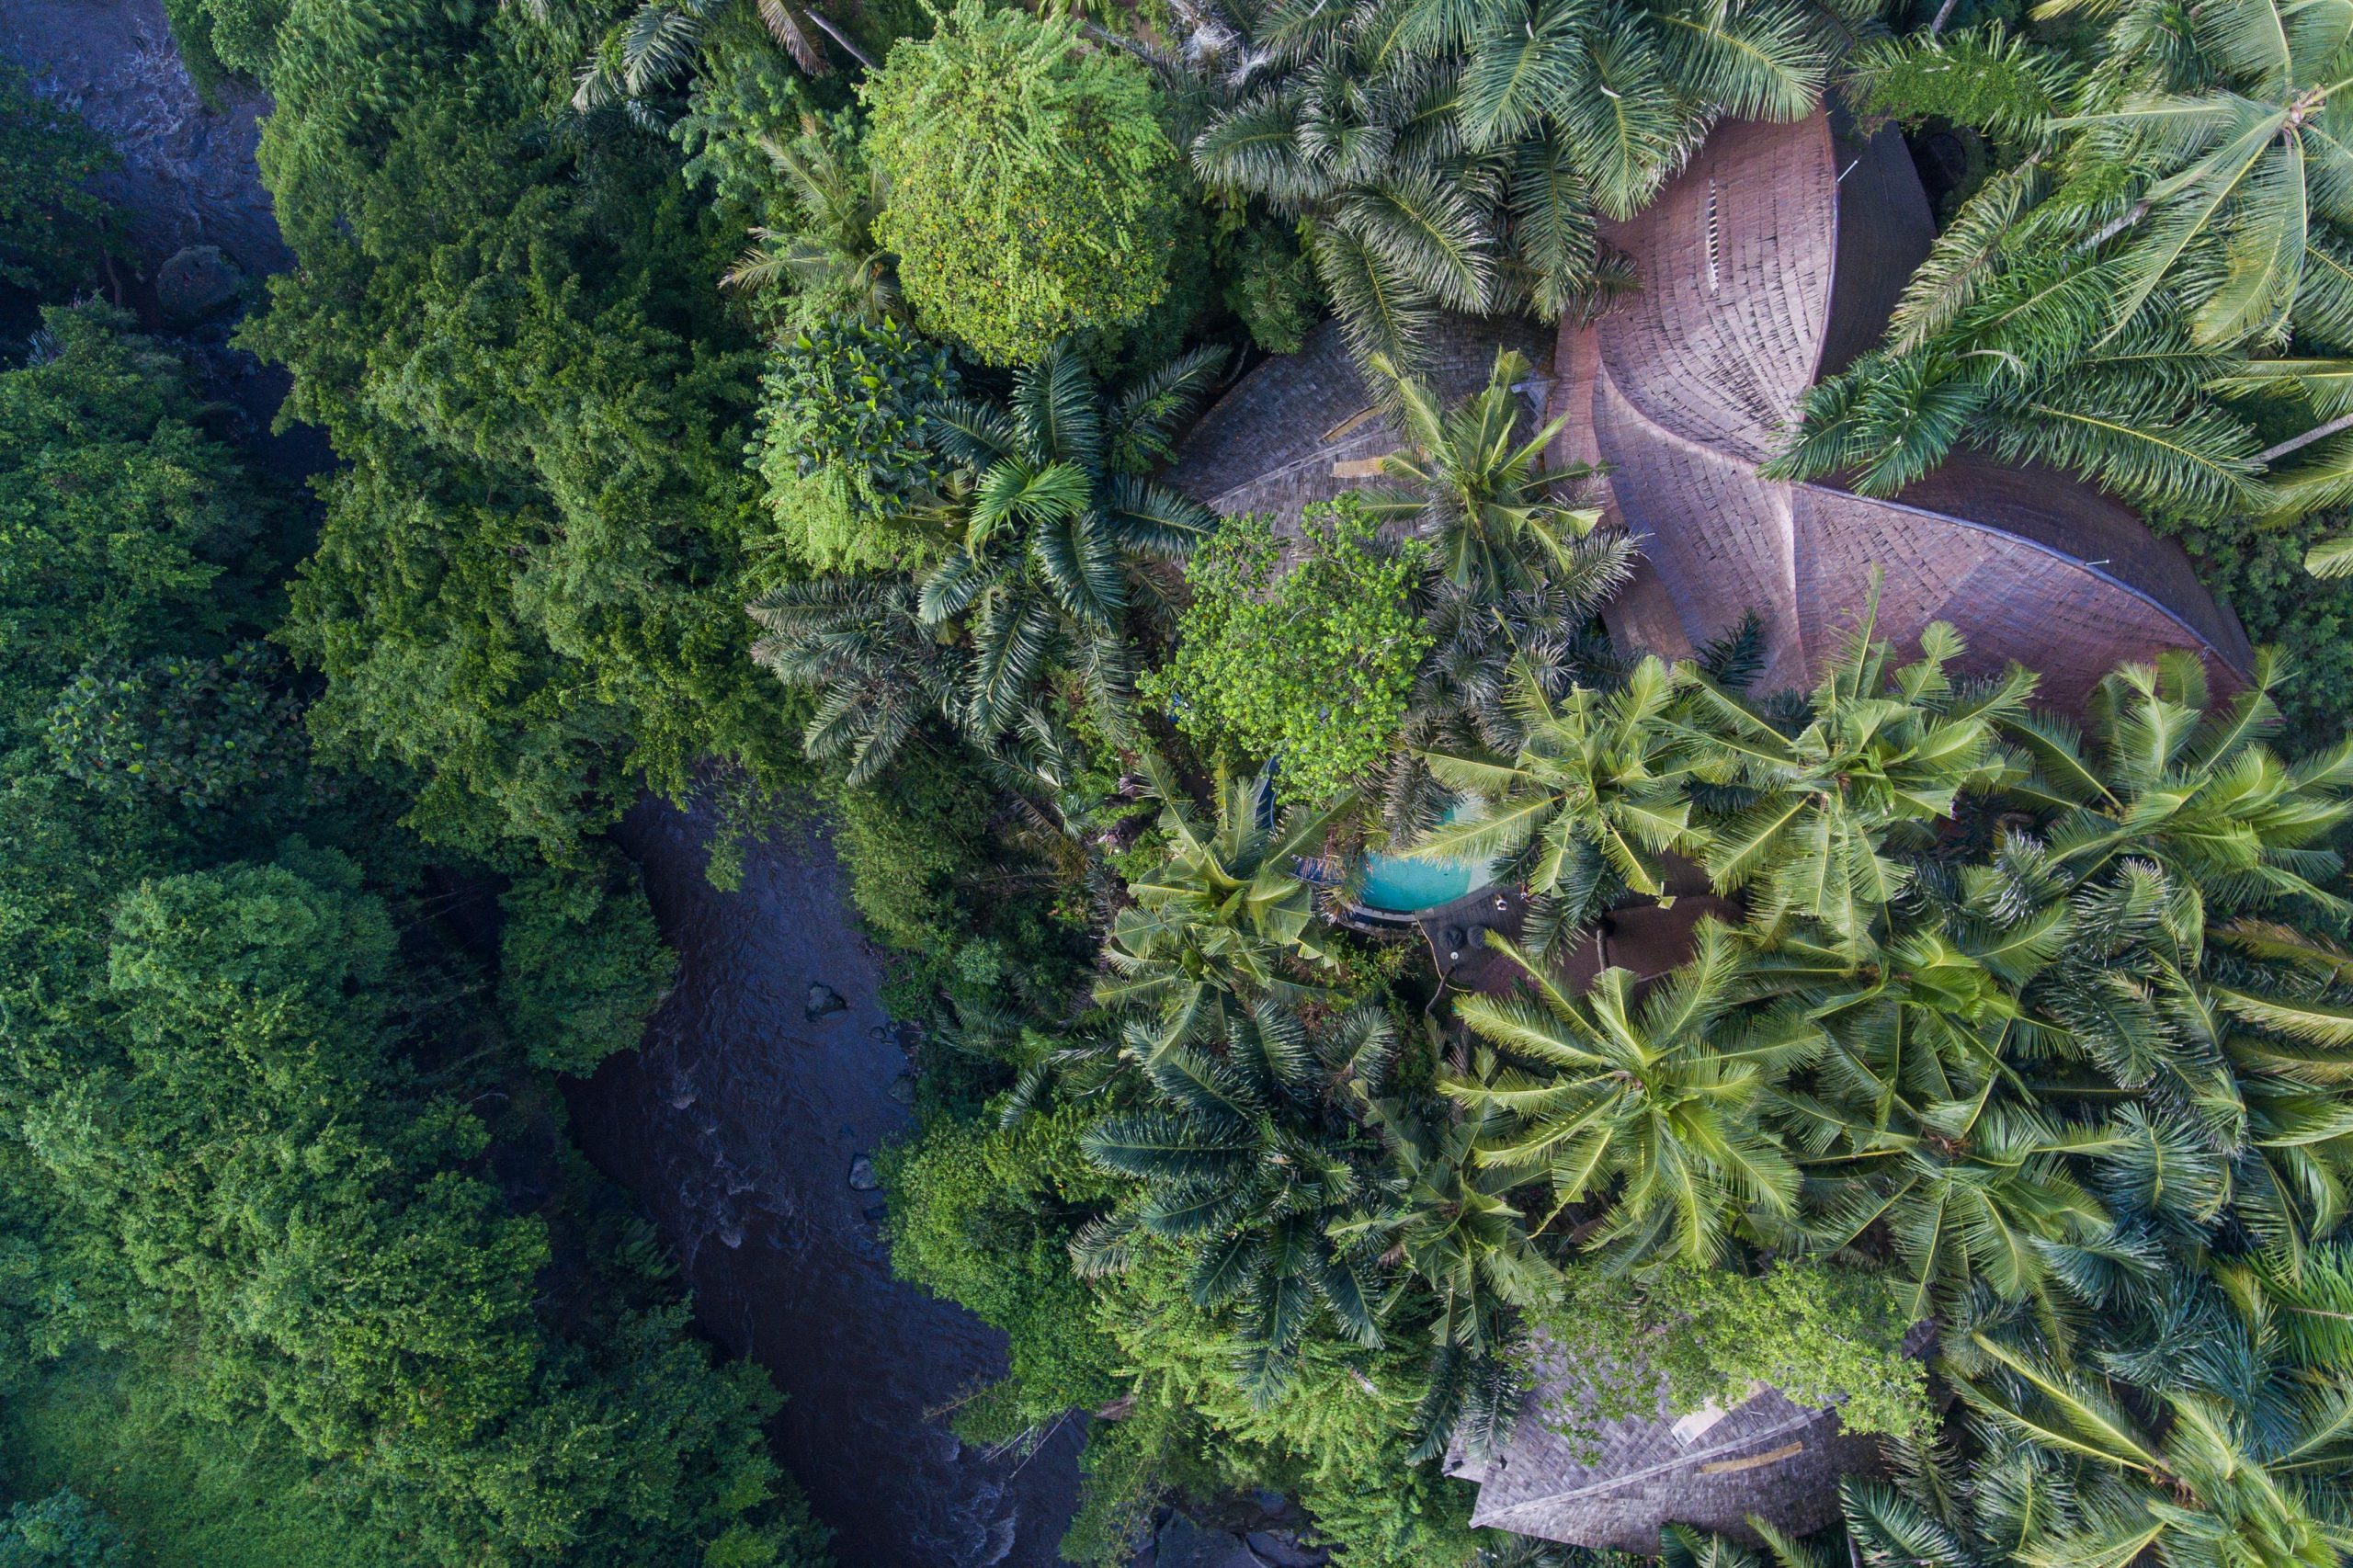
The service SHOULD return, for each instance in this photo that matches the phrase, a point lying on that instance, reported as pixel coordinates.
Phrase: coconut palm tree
(662, 40)
(1249, 1165)
(2240, 151)
(1483, 494)
(2161, 777)
(829, 254)
(879, 672)
(1974, 1192)
(1596, 797)
(1482, 649)
(1626, 91)
(1657, 1104)
(1451, 1220)
(1451, 155)
(2238, 1466)
(1227, 919)
(1053, 526)
(2095, 305)
(1881, 757)
(1325, 119)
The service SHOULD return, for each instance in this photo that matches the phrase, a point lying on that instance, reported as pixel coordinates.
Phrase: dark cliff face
(188, 175)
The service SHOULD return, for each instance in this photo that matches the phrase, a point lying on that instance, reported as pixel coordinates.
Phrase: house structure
(1304, 427)
(1773, 259)
(1616, 1482)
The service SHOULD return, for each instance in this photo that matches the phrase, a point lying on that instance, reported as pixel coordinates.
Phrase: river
(736, 1124)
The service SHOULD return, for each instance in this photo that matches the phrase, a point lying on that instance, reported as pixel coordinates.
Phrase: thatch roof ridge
(1303, 427)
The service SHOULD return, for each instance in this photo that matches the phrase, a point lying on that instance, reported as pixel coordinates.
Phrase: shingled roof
(1615, 1486)
(1304, 428)
(1773, 259)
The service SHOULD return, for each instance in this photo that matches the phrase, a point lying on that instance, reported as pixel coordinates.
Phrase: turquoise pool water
(1402, 886)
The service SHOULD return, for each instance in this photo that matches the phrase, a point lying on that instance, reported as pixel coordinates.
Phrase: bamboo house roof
(1775, 257)
(1774, 260)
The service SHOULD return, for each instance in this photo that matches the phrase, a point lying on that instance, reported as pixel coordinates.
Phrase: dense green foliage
(529, 585)
(977, 1216)
(53, 232)
(843, 428)
(580, 964)
(1821, 1336)
(2025, 1031)
(1307, 659)
(247, 1198)
(1031, 188)
(61, 1530)
(2141, 278)
(1057, 548)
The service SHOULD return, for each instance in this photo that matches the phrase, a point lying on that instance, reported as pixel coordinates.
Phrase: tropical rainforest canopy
(771, 403)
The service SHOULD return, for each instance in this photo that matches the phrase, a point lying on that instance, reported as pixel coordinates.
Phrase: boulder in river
(861, 1176)
(197, 283)
(1281, 1550)
(823, 1002)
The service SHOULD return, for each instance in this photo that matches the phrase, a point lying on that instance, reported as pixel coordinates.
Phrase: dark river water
(735, 1127)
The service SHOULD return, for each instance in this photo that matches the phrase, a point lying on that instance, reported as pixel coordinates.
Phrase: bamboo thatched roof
(1771, 260)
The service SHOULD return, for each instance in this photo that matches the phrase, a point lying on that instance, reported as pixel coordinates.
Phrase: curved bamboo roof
(1304, 428)
(1773, 259)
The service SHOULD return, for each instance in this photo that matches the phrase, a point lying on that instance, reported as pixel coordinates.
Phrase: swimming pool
(1400, 886)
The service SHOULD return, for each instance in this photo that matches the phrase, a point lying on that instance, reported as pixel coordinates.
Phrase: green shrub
(193, 733)
(975, 1217)
(905, 842)
(125, 532)
(1272, 287)
(1032, 191)
(581, 964)
(1820, 1335)
(191, 29)
(1336, 1437)
(52, 230)
(239, 34)
(841, 442)
(747, 94)
(63, 1530)
(1308, 660)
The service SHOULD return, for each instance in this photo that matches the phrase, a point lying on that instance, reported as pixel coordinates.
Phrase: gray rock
(1281, 1549)
(188, 175)
(195, 283)
(1184, 1544)
(823, 1002)
(902, 1089)
(862, 1177)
